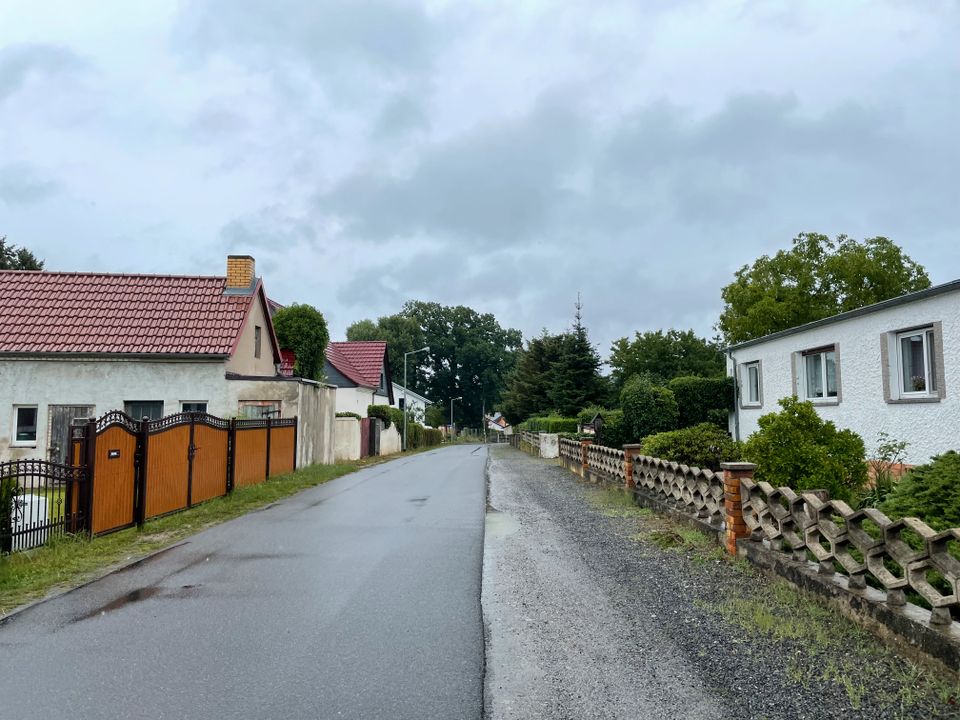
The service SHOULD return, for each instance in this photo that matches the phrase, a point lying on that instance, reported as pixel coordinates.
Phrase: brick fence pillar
(584, 459)
(733, 473)
(628, 452)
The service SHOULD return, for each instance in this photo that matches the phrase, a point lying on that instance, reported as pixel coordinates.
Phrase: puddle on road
(419, 501)
(139, 595)
(500, 524)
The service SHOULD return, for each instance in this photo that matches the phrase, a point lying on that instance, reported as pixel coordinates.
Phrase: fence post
(140, 473)
(231, 453)
(584, 457)
(628, 451)
(733, 473)
(296, 435)
(89, 459)
(266, 475)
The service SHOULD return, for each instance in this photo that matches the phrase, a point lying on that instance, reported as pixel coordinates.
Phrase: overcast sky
(502, 155)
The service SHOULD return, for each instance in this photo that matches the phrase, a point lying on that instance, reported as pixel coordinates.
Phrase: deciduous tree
(816, 278)
(302, 328)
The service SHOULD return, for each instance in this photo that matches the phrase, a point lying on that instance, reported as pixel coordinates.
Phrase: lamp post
(452, 432)
(412, 352)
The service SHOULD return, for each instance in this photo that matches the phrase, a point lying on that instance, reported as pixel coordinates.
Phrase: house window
(257, 409)
(139, 409)
(917, 358)
(751, 394)
(200, 407)
(25, 425)
(257, 333)
(820, 378)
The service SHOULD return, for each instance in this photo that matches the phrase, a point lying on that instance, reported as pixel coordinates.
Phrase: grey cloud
(389, 36)
(19, 63)
(499, 182)
(270, 229)
(21, 185)
(401, 116)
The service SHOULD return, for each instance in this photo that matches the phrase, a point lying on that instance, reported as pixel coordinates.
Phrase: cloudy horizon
(496, 154)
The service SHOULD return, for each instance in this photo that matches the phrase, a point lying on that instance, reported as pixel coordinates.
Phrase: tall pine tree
(576, 383)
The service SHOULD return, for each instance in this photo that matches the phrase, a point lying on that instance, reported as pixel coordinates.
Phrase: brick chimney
(241, 273)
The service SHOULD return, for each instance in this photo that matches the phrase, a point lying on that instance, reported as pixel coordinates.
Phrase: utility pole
(412, 352)
(453, 432)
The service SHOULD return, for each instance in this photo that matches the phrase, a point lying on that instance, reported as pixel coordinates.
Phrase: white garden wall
(929, 427)
(390, 441)
(346, 442)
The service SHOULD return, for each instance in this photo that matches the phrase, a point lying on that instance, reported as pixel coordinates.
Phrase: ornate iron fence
(38, 500)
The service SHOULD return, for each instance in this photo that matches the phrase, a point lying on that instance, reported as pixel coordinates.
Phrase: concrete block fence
(859, 558)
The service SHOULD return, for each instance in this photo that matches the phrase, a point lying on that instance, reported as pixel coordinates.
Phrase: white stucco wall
(929, 427)
(346, 439)
(244, 360)
(357, 399)
(104, 384)
(390, 441)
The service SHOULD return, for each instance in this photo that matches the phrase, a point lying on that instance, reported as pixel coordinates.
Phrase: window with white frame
(25, 425)
(819, 374)
(917, 362)
(751, 394)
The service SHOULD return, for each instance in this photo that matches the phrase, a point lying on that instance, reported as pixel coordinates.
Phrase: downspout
(736, 395)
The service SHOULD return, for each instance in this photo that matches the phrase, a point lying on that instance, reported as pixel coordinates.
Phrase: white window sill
(821, 402)
(907, 399)
(751, 406)
(23, 445)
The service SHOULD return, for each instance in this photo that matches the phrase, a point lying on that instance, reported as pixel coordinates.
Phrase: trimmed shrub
(419, 436)
(647, 408)
(702, 399)
(703, 446)
(348, 414)
(550, 424)
(389, 415)
(930, 492)
(797, 448)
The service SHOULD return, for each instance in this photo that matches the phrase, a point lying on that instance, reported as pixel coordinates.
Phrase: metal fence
(38, 500)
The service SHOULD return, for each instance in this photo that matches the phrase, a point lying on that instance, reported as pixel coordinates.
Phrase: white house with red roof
(83, 344)
(360, 370)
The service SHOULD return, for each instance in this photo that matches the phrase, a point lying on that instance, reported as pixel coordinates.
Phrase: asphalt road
(355, 599)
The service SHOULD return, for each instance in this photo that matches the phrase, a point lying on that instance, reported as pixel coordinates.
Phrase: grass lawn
(68, 561)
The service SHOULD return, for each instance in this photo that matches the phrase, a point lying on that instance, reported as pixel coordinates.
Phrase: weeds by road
(814, 647)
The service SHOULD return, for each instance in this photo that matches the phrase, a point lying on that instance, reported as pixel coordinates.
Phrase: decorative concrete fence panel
(606, 462)
(690, 489)
(865, 545)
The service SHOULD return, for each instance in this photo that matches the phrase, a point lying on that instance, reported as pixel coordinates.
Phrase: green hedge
(613, 433)
(348, 414)
(647, 408)
(419, 436)
(701, 399)
(550, 424)
(703, 446)
(389, 415)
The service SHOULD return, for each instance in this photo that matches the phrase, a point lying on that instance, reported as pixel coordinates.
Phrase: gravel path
(587, 616)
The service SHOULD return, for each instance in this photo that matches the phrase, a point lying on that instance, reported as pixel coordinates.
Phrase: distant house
(893, 366)
(416, 403)
(498, 423)
(82, 344)
(360, 370)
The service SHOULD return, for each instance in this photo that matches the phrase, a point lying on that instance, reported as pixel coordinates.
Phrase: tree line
(486, 366)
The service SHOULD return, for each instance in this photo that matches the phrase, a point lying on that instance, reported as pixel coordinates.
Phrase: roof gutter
(736, 395)
(181, 357)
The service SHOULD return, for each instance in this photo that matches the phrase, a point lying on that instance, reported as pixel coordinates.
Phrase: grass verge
(68, 561)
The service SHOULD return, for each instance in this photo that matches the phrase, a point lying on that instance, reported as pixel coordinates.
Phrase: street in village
(361, 598)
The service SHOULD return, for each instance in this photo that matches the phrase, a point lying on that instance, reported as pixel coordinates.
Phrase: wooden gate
(114, 467)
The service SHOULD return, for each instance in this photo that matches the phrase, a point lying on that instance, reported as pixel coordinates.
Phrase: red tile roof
(53, 312)
(362, 361)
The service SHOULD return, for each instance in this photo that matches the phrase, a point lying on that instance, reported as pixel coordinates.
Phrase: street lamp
(412, 352)
(452, 432)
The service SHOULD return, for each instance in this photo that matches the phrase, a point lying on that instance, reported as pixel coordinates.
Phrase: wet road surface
(355, 599)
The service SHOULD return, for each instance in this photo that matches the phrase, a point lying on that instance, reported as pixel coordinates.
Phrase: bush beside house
(703, 446)
(798, 449)
(702, 399)
(647, 408)
(930, 492)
